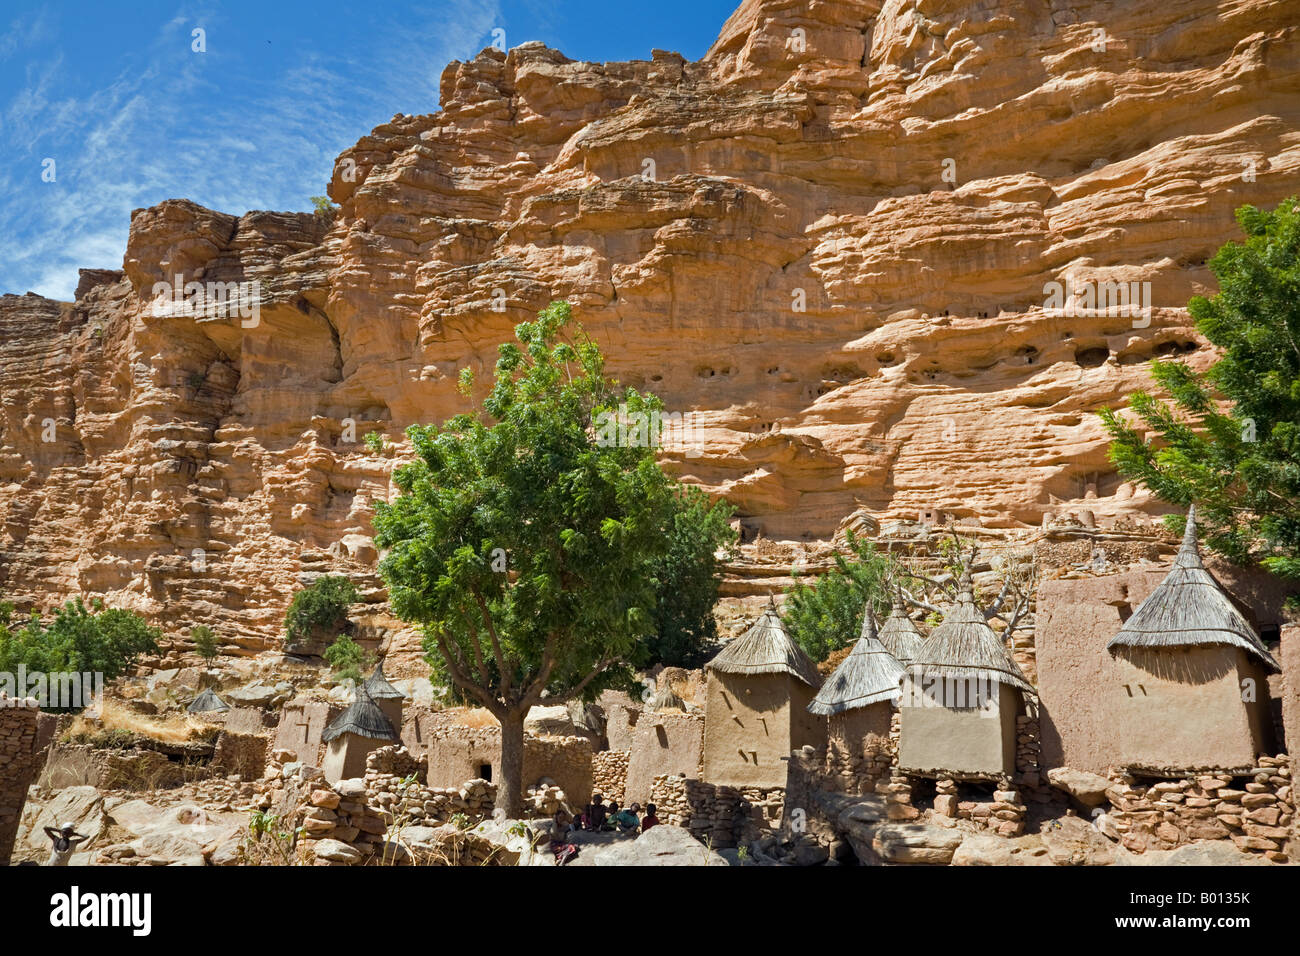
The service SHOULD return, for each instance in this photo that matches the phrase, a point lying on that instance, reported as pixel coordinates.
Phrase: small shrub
(375, 442)
(206, 644)
(347, 658)
(320, 608)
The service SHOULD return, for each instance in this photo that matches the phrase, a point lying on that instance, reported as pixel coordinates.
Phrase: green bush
(827, 614)
(320, 608)
(78, 640)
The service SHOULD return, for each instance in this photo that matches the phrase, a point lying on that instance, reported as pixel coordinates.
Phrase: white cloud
(164, 128)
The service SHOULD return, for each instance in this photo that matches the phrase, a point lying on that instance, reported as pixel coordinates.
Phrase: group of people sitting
(598, 816)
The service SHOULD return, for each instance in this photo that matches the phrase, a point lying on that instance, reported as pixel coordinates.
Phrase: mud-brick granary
(961, 697)
(756, 710)
(357, 731)
(388, 697)
(858, 699)
(899, 634)
(1189, 686)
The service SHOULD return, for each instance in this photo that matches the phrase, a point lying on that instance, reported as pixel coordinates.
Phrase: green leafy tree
(687, 577)
(523, 542)
(92, 640)
(321, 608)
(826, 614)
(1230, 439)
(347, 658)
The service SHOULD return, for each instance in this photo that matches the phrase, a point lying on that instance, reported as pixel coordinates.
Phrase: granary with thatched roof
(208, 703)
(899, 634)
(756, 706)
(859, 698)
(352, 735)
(1190, 686)
(388, 697)
(961, 697)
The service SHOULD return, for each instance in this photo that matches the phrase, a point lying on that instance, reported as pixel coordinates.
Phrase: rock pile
(720, 816)
(1255, 810)
(609, 773)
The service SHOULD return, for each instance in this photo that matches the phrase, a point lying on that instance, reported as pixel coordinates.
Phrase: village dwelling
(388, 697)
(756, 707)
(1191, 684)
(208, 703)
(899, 635)
(357, 731)
(961, 697)
(858, 701)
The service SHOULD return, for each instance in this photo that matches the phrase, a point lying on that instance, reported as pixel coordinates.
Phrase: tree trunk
(510, 786)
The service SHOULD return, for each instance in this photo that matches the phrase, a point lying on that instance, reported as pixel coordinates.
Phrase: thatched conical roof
(963, 646)
(1190, 609)
(869, 675)
(665, 698)
(364, 718)
(208, 703)
(766, 649)
(899, 635)
(378, 688)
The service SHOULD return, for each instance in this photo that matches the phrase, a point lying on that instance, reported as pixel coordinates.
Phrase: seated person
(649, 820)
(595, 813)
(626, 819)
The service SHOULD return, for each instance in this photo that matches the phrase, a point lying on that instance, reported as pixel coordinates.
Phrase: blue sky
(130, 114)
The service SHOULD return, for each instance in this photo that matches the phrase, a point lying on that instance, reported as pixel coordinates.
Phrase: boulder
(1088, 788)
(1073, 841)
(1208, 853)
(985, 849)
(335, 852)
(915, 843)
(663, 845)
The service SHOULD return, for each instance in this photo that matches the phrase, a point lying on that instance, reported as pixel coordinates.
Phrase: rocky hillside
(832, 239)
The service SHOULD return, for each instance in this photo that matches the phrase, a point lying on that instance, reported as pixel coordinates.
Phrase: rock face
(829, 242)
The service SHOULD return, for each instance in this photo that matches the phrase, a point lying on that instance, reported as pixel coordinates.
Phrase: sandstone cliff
(829, 239)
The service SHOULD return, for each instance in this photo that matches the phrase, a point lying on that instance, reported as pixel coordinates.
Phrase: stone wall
(720, 816)
(1256, 811)
(241, 754)
(76, 765)
(17, 767)
(609, 773)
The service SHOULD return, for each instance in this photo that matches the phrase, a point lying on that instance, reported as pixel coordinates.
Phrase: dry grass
(114, 715)
(472, 717)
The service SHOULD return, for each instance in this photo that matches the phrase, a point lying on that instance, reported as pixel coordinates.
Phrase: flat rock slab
(1088, 788)
(915, 843)
(663, 845)
(985, 849)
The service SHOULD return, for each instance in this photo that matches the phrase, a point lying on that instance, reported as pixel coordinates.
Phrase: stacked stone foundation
(1254, 808)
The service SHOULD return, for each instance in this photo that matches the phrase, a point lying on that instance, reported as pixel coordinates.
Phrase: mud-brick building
(357, 731)
(858, 698)
(1189, 687)
(899, 635)
(756, 711)
(390, 700)
(961, 698)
